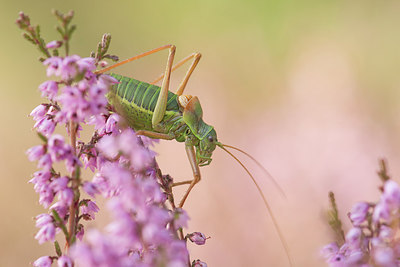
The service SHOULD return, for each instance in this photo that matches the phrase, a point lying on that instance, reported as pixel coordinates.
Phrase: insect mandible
(156, 112)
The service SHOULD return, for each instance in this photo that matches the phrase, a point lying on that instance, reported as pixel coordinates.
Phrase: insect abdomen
(142, 94)
(137, 100)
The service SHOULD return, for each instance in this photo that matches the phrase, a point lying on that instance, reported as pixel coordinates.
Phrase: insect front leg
(196, 173)
(161, 104)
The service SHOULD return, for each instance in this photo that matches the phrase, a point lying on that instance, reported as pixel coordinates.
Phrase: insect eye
(210, 138)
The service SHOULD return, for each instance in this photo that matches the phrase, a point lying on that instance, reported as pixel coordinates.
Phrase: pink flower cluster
(373, 240)
(143, 231)
(77, 95)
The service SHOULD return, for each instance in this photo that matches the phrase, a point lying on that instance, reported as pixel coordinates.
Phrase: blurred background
(310, 88)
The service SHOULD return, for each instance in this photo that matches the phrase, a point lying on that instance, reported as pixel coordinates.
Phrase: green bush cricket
(156, 112)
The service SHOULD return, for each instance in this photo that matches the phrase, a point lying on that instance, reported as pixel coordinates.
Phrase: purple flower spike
(143, 229)
(44, 261)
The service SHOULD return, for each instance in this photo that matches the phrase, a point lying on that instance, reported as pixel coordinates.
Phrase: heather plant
(146, 228)
(373, 239)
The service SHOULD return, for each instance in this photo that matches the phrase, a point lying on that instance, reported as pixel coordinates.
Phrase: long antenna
(261, 166)
(283, 241)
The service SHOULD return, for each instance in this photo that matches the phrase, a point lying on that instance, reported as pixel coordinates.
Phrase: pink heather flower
(353, 237)
(330, 250)
(46, 197)
(53, 65)
(44, 261)
(384, 256)
(103, 64)
(199, 263)
(39, 112)
(90, 188)
(46, 233)
(53, 44)
(381, 211)
(359, 213)
(45, 126)
(111, 123)
(197, 238)
(141, 159)
(391, 194)
(41, 179)
(49, 89)
(68, 68)
(59, 183)
(99, 123)
(86, 64)
(66, 196)
(106, 81)
(58, 149)
(35, 153)
(71, 163)
(90, 161)
(64, 261)
(103, 185)
(43, 219)
(61, 208)
(386, 233)
(181, 218)
(89, 208)
(80, 233)
(108, 146)
(45, 162)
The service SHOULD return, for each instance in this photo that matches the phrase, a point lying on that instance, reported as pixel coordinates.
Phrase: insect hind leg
(168, 46)
(196, 58)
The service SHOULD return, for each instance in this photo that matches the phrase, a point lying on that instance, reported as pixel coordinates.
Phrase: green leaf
(71, 30)
(30, 39)
(58, 249)
(58, 15)
(55, 53)
(77, 172)
(37, 30)
(61, 31)
(42, 137)
(60, 223)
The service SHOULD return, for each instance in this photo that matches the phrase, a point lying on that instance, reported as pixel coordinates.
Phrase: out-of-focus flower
(197, 238)
(44, 261)
(64, 261)
(53, 44)
(372, 241)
